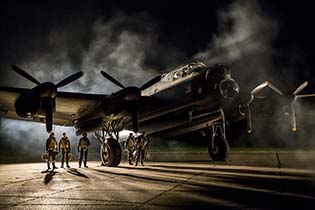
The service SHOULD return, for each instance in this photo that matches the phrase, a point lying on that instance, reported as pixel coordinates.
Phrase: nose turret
(229, 88)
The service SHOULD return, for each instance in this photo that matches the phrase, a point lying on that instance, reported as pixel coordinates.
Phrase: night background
(134, 41)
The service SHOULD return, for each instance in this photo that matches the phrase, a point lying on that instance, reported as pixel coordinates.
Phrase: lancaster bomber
(191, 98)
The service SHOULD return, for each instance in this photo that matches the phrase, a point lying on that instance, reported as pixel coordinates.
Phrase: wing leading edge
(69, 105)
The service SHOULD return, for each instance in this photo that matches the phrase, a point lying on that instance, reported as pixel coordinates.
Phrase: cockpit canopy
(183, 71)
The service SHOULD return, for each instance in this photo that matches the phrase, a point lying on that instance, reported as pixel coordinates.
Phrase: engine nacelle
(36, 101)
(27, 105)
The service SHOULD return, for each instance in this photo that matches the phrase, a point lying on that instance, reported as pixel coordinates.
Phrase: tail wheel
(219, 149)
(110, 153)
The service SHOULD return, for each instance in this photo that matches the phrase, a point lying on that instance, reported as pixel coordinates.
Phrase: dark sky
(184, 25)
(182, 30)
(180, 26)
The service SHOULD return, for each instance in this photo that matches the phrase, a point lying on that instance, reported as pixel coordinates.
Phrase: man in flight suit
(51, 148)
(64, 147)
(130, 146)
(141, 145)
(83, 146)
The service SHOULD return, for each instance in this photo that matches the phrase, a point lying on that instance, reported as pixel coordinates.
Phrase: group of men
(135, 147)
(53, 148)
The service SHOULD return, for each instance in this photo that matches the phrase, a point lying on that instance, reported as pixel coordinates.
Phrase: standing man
(51, 148)
(130, 146)
(141, 145)
(64, 147)
(83, 146)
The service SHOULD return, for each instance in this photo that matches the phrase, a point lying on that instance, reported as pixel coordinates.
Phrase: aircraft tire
(221, 149)
(110, 153)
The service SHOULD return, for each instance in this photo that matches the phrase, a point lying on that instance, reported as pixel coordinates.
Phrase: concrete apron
(280, 159)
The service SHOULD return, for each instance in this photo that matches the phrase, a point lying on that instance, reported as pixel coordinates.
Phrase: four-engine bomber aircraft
(190, 98)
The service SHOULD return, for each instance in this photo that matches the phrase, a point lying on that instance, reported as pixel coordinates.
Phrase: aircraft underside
(210, 122)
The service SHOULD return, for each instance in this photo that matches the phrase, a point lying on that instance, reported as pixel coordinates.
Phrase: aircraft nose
(229, 88)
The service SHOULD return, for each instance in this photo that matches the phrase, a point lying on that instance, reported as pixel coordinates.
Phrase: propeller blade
(249, 120)
(135, 120)
(293, 118)
(150, 82)
(266, 84)
(49, 108)
(112, 79)
(49, 119)
(259, 87)
(300, 88)
(24, 74)
(275, 89)
(305, 96)
(69, 79)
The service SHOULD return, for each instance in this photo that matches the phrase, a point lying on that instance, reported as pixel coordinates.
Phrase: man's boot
(130, 163)
(54, 166)
(67, 164)
(79, 164)
(85, 164)
(61, 165)
(142, 162)
(48, 166)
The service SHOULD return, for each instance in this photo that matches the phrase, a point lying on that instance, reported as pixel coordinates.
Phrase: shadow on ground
(224, 186)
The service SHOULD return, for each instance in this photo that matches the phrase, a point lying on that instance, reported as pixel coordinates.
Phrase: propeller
(48, 91)
(253, 94)
(296, 96)
(132, 91)
(119, 84)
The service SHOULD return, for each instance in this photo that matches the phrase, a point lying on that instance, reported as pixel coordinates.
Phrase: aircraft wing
(69, 105)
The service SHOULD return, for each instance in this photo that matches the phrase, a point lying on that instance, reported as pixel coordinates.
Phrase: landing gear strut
(110, 151)
(219, 148)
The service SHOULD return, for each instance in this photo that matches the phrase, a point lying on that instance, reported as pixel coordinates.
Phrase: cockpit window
(177, 74)
(183, 71)
(195, 67)
(170, 77)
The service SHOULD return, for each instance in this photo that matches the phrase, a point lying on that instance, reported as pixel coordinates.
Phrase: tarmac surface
(255, 182)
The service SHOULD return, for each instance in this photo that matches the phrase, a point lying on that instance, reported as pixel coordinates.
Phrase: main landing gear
(110, 151)
(218, 147)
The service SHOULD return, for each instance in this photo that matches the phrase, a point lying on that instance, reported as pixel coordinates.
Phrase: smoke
(120, 54)
(244, 41)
